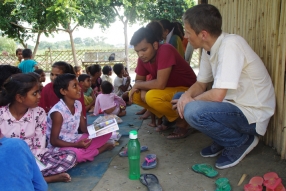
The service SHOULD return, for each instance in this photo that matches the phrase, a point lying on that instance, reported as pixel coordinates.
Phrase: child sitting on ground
(66, 117)
(89, 98)
(77, 70)
(27, 65)
(107, 72)
(42, 77)
(108, 102)
(95, 73)
(20, 117)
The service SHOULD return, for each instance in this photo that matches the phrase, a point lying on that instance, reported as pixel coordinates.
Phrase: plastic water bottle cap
(133, 134)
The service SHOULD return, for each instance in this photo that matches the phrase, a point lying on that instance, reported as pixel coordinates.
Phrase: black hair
(17, 84)
(77, 68)
(65, 67)
(157, 29)
(82, 77)
(36, 75)
(62, 82)
(166, 24)
(117, 68)
(94, 69)
(106, 70)
(106, 87)
(141, 34)
(178, 29)
(27, 53)
(7, 71)
(204, 17)
(39, 71)
(111, 57)
(18, 50)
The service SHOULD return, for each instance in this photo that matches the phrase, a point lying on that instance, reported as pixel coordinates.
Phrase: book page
(40, 164)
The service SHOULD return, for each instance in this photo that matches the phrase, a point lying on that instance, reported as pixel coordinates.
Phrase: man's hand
(184, 99)
(131, 92)
(143, 94)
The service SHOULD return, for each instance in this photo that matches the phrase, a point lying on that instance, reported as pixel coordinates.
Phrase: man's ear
(63, 91)
(204, 35)
(156, 45)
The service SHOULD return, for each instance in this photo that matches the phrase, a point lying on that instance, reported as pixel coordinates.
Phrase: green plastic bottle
(134, 156)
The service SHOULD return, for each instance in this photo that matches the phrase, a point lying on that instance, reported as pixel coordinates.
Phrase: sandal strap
(150, 159)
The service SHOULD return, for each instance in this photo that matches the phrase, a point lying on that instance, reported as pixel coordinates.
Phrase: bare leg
(106, 147)
(146, 115)
(141, 112)
(62, 177)
(153, 120)
(160, 121)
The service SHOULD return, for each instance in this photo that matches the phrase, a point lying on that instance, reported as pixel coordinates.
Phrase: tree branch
(117, 13)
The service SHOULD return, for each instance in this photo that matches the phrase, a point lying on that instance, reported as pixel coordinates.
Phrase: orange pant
(159, 101)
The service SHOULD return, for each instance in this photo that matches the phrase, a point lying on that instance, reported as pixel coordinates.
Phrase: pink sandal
(272, 182)
(255, 184)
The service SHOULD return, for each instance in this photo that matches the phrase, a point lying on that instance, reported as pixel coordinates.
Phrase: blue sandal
(150, 162)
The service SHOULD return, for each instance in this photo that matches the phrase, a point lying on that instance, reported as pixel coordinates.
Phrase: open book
(99, 129)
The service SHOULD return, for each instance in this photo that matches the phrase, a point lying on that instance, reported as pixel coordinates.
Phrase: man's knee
(193, 111)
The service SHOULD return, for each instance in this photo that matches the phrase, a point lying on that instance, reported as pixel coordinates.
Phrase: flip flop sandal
(125, 153)
(151, 181)
(179, 135)
(255, 184)
(222, 184)
(205, 169)
(272, 182)
(150, 162)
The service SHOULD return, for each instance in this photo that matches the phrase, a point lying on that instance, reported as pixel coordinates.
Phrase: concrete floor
(175, 158)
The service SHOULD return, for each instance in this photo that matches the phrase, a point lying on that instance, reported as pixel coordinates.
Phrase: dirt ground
(175, 159)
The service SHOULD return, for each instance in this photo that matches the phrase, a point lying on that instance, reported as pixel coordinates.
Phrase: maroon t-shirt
(167, 56)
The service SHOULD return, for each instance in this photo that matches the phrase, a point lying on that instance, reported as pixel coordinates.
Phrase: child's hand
(85, 143)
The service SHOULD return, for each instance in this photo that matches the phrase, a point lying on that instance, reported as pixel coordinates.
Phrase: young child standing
(19, 57)
(65, 118)
(107, 72)
(20, 117)
(28, 65)
(109, 102)
(48, 96)
(89, 98)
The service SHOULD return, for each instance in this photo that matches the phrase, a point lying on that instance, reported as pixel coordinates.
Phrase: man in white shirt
(238, 107)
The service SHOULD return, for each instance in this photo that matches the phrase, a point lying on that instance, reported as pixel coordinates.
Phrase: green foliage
(7, 45)
(172, 10)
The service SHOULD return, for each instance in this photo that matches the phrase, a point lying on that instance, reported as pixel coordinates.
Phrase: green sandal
(222, 184)
(205, 169)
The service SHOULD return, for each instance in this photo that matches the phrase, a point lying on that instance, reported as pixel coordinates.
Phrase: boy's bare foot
(152, 124)
(141, 112)
(106, 147)
(62, 177)
(146, 115)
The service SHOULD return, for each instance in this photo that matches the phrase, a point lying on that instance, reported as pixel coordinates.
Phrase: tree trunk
(72, 46)
(37, 45)
(126, 43)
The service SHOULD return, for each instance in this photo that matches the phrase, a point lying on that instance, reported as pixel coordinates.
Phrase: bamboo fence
(263, 24)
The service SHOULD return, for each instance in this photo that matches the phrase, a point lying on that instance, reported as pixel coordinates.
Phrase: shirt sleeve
(231, 61)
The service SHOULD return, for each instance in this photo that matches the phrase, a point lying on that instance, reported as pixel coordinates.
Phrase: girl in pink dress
(20, 117)
(109, 102)
(65, 118)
